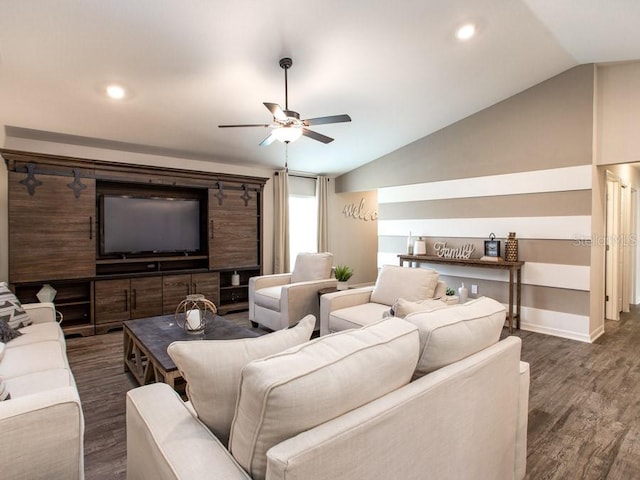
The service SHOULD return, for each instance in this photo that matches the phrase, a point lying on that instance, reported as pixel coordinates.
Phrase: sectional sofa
(434, 395)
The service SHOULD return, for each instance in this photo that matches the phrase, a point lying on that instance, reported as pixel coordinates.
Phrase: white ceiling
(394, 66)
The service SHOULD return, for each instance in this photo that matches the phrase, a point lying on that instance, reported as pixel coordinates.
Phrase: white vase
(343, 285)
(463, 293)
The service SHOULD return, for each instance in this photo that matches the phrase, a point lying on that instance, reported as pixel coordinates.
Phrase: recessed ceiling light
(117, 92)
(466, 31)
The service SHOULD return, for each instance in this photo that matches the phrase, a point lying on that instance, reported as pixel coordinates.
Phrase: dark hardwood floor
(584, 403)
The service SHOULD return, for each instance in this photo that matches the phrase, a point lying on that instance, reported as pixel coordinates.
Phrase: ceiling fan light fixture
(287, 134)
(466, 32)
(115, 91)
(287, 125)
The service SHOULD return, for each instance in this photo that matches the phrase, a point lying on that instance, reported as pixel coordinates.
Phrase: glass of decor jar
(192, 313)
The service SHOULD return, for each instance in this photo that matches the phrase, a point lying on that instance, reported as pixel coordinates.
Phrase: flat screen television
(133, 225)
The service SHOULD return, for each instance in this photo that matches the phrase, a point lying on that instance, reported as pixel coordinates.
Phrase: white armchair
(281, 300)
(360, 306)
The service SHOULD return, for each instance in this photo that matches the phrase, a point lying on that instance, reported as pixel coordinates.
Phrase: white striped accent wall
(547, 279)
(550, 180)
(575, 227)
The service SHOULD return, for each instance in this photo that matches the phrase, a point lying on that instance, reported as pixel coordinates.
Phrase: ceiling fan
(287, 126)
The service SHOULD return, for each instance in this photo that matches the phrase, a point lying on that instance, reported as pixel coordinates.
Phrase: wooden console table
(515, 276)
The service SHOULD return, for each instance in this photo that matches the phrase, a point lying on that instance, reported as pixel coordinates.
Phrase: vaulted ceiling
(395, 67)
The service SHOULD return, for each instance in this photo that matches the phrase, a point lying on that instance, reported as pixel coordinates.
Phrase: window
(303, 217)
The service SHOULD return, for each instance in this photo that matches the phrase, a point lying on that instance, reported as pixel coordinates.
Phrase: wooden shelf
(115, 261)
(72, 304)
(234, 287)
(235, 297)
(500, 263)
(515, 276)
(73, 329)
(232, 307)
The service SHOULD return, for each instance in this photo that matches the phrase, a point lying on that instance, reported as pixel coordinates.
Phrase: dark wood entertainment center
(55, 233)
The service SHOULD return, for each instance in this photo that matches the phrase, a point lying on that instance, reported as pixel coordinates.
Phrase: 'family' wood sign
(464, 252)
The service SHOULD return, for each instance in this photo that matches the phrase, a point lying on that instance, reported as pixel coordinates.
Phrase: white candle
(193, 319)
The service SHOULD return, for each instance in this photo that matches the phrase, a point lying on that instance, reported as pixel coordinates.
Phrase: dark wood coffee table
(146, 341)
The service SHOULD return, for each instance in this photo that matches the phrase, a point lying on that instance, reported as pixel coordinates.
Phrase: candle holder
(191, 314)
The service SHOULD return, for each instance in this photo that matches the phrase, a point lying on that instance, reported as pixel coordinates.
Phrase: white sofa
(343, 406)
(41, 425)
(357, 307)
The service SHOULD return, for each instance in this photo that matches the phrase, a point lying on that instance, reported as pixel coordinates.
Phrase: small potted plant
(343, 273)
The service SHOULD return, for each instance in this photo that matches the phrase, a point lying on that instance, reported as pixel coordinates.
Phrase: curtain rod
(302, 175)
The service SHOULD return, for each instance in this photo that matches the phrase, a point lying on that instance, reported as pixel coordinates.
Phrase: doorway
(620, 254)
(612, 301)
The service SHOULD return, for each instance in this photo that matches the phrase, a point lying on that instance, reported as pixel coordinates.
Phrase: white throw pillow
(457, 331)
(312, 266)
(212, 370)
(305, 386)
(403, 307)
(412, 284)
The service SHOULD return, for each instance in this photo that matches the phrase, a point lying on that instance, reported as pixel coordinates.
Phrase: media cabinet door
(208, 284)
(175, 289)
(234, 237)
(112, 301)
(52, 232)
(146, 297)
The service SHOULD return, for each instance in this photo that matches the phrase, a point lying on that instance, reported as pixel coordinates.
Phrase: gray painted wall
(547, 126)
(353, 236)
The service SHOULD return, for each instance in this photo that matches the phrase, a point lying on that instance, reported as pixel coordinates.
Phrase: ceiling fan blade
(245, 125)
(316, 136)
(276, 111)
(329, 119)
(267, 141)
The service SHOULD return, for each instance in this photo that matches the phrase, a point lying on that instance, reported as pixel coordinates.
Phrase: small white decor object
(409, 244)
(192, 313)
(47, 293)
(193, 319)
(235, 279)
(342, 286)
(463, 293)
(420, 247)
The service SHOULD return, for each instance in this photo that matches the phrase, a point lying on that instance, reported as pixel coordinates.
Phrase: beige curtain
(322, 194)
(281, 222)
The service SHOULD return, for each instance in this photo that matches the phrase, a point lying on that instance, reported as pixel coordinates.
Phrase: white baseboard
(558, 324)
(556, 332)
